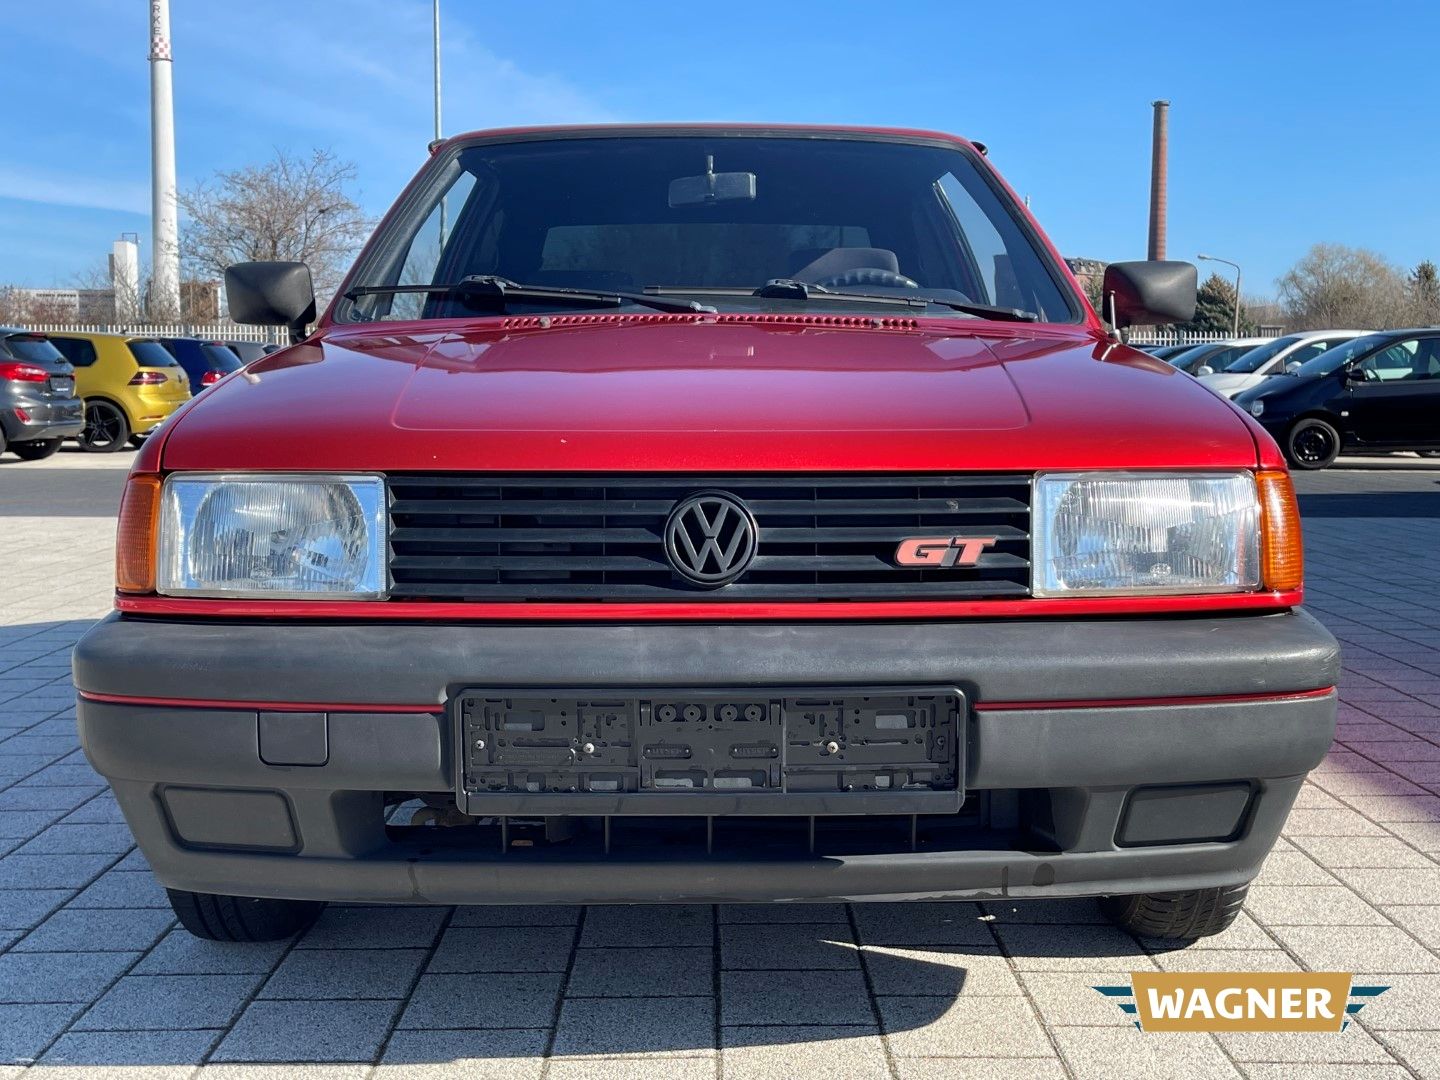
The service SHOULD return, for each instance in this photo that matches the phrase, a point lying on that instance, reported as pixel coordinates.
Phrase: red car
(707, 513)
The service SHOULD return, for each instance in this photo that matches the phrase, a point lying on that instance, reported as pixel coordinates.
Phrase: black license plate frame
(790, 750)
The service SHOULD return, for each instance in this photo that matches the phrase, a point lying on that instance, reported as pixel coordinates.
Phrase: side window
(991, 257)
(78, 351)
(1403, 360)
(426, 248)
(1307, 352)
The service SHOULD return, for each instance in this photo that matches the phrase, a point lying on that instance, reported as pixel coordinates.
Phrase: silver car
(1275, 357)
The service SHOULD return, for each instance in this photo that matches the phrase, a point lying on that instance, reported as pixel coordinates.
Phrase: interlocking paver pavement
(96, 980)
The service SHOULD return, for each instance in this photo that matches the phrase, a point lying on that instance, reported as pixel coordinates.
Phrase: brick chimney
(1159, 176)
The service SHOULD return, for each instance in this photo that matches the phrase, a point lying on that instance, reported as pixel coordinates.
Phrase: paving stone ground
(96, 980)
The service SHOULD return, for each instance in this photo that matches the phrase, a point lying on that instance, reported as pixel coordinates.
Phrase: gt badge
(942, 551)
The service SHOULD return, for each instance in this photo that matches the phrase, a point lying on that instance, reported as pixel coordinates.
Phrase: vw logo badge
(710, 538)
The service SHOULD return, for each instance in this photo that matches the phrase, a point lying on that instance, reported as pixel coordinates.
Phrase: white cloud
(58, 188)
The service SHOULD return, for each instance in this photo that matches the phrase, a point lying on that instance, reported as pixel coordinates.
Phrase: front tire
(36, 449)
(106, 429)
(242, 918)
(1312, 444)
(1180, 916)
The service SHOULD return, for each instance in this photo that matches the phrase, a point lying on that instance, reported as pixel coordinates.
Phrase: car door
(1394, 395)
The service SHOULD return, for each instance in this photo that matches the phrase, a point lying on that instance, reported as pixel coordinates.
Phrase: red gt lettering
(942, 551)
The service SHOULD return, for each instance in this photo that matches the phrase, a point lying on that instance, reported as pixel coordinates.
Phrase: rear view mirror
(1293, 365)
(271, 294)
(711, 187)
(1204, 369)
(1149, 293)
(1355, 374)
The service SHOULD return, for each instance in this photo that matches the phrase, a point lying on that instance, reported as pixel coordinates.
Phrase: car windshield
(151, 354)
(1248, 363)
(32, 347)
(220, 357)
(1193, 357)
(711, 218)
(1337, 356)
(246, 350)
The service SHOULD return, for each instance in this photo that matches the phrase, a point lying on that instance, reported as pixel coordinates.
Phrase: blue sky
(1291, 123)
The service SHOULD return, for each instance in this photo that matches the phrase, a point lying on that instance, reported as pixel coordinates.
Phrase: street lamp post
(437, 68)
(1235, 324)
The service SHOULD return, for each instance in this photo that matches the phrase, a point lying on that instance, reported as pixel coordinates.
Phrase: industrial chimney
(1159, 176)
(165, 252)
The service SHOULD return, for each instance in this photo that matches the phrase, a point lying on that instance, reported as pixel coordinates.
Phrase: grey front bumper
(322, 835)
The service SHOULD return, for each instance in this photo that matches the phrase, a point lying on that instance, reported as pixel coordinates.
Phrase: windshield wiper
(491, 290)
(804, 291)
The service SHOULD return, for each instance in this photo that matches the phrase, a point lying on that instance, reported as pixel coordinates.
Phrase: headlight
(278, 536)
(1257, 407)
(1131, 533)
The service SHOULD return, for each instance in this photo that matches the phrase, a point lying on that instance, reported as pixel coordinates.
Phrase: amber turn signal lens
(135, 538)
(1282, 553)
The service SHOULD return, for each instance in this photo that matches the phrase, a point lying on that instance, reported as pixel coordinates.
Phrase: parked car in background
(1292, 350)
(249, 351)
(38, 404)
(129, 385)
(1377, 392)
(1212, 353)
(1164, 352)
(205, 362)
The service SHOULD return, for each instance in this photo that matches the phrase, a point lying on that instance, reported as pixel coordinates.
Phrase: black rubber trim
(1030, 660)
(1058, 748)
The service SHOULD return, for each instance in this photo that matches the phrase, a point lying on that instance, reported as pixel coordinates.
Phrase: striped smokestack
(1159, 176)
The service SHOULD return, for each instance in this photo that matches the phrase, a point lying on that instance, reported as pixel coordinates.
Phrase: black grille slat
(537, 538)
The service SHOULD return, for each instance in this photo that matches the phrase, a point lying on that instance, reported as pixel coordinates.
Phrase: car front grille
(600, 538)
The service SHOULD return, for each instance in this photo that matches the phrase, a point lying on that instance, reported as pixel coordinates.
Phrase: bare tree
(1338, 286)
(1424, 288)
(292, 208)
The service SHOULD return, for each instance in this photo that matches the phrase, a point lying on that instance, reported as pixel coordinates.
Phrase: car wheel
(1182, 916)
(1312, 444)
(242, 918)
(106, 428)
(36, 449)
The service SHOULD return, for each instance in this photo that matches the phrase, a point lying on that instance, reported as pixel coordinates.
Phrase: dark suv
(38, 406)
(1378, 392)
(205, 362)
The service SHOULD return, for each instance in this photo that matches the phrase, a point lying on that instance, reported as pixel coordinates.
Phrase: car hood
(686, 393)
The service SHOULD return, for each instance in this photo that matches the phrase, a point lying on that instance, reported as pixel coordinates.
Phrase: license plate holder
(782, 750)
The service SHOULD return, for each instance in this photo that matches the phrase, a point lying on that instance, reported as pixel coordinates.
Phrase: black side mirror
(1149, 293)
(271, 294)
(1355, 374)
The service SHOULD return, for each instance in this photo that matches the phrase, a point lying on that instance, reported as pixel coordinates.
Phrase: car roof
(97, 336)
(590, 131)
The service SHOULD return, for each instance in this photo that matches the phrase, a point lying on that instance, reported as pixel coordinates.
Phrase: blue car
(205, 362)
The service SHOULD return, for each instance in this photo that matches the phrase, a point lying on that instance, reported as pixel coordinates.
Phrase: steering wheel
(869, 276)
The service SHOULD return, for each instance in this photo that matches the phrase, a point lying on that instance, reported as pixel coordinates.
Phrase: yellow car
(129, 384)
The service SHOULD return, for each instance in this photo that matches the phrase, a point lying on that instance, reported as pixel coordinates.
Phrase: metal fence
(1185, 337)
(217, 331)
